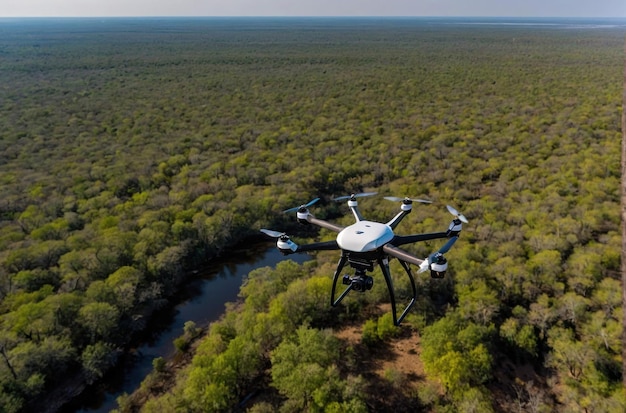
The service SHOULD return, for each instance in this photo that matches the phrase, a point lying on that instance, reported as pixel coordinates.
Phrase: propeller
(362, 194)
(284, 244)
(397, 199)
(457, 214)
(271, 233)
(301, 206)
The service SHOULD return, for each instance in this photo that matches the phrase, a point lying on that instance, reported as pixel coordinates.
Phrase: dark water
(202, 301)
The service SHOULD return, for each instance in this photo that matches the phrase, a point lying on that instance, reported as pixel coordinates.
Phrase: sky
(482, 8)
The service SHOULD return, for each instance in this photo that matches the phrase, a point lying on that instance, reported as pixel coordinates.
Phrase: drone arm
(319, 246)
(324, 224)
(402, 255)
(410, 239)
(355, 211)
(396, 220)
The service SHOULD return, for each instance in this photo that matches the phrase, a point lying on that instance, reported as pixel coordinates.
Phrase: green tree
(569, 355)
(302, 366)
(32, 320)
(99, 319)
(33, 280)
(478, 302)
(455, 352)
(50, 358)
(32, 217)
(96, 360)
(522, 336)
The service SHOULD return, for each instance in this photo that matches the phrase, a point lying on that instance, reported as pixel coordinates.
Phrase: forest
(133, 151)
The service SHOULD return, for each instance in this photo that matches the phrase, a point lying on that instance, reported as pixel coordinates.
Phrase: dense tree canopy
(132, 151)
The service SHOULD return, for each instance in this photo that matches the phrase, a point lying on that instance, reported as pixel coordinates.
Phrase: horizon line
(313, 16)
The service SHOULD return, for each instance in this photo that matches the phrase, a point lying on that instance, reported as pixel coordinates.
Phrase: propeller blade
(271, 233)
(311, 202)
(397, 199)
(362, 194)
(294, 209)
(457, 214)
(446, 247)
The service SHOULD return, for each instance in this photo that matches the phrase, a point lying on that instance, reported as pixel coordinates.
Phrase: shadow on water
(201, 300)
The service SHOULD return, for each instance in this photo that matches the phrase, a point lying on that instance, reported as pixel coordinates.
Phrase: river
(202, 301)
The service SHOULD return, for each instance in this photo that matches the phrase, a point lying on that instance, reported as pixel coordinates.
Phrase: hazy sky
(530, 8)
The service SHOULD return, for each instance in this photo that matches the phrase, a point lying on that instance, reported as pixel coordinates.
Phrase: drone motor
(285, 245)
(302, 211)
(438, 265)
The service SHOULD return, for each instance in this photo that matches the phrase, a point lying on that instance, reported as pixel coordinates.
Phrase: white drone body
(364, 236)
(366, 243)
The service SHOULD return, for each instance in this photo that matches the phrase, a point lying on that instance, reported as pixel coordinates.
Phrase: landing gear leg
(384, 266)
(340, 265)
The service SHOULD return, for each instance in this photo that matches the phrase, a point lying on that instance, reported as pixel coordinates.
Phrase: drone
(367, 243)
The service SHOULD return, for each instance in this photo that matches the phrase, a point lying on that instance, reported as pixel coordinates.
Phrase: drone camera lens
(369, 282)
(362, 283)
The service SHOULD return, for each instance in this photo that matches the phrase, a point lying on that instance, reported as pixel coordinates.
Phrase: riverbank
(201, 300)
